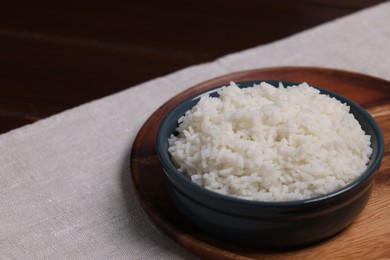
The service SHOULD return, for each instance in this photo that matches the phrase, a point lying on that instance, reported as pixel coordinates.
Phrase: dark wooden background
(55, 55)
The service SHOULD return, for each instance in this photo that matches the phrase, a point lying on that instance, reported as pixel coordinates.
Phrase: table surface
(55, 55)
(66, 190)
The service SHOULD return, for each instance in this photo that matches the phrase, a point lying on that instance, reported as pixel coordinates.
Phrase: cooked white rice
(270, 144)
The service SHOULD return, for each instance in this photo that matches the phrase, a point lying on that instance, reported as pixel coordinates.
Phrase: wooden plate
(368, 237)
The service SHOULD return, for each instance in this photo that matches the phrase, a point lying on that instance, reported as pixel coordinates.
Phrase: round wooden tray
(367, 237)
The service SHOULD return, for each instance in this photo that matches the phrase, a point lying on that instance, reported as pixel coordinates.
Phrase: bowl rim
(170, 169)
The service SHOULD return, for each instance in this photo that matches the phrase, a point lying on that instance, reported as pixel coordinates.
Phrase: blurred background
(55, 55)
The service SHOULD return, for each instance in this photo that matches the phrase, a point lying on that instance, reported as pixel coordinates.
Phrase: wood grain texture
(55, 55)
(369, 235)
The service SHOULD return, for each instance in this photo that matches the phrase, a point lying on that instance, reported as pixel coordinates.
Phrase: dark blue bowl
(269, 225)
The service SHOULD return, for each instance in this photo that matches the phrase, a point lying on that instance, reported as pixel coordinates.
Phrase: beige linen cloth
(65, 186)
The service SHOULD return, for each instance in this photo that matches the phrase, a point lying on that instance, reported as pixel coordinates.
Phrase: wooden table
(55, 55)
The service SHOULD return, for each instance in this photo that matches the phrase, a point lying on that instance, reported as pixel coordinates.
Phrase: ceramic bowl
(269, 225)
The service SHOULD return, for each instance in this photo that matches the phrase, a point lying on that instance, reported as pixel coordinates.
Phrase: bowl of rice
(269, 164)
